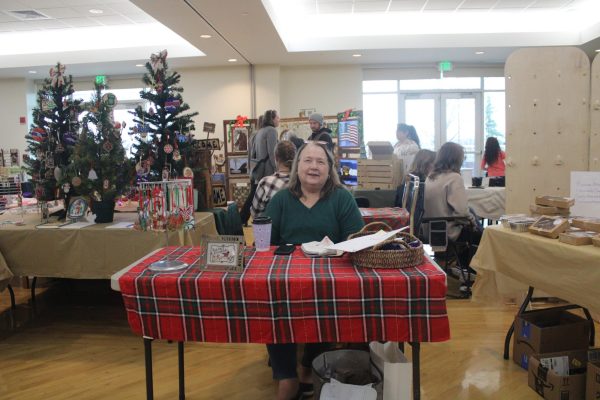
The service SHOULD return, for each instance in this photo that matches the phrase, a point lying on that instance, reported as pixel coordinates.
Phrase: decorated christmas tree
(163, 146)
(99, 168)
(53, 134)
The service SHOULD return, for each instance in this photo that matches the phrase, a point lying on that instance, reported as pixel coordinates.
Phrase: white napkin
(318, 249)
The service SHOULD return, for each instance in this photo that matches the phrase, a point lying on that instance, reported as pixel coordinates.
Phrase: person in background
(412, 135)
(421, 167)
(319, 132)
(269, 185)
(314, 205)
(446, 196)
(262, 157)
(406, 148)
(493, 162)
(290, 135)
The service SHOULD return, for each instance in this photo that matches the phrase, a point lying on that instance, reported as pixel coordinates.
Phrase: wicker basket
(376, 258)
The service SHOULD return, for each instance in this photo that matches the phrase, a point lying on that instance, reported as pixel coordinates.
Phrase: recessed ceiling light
(32, 72)
(139, 65)
(480, 52)
(96, 11)
(356, 55)
(232, 60)
(205, 36)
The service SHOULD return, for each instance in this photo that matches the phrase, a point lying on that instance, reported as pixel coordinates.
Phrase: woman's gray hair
(333, 180)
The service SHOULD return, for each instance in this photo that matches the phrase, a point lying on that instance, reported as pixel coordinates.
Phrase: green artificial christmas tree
(53, 134)
(163, 147)
(99, 168)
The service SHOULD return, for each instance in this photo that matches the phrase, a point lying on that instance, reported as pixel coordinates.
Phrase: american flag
(350, 134)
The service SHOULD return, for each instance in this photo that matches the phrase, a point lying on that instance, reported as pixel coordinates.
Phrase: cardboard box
(549, 226)
(589, 224)
(547, 331)
(552, 386)
(555, 201)
(380, 150)
(576, 237)
(592, 386)
(596, 240)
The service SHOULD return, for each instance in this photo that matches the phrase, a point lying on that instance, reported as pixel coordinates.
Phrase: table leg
(33, 282)
(416, 359)
(148, 359)
(512, 325)
(592, 327)
(181, 371)
(13, 303)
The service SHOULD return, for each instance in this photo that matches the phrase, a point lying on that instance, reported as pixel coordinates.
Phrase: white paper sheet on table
(77, 225)
(360, 243)
(121, 225)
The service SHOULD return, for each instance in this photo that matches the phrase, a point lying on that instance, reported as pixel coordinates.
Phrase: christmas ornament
(157, 61)
(107, 146)
(57, 75)
(57, 173)
(151, 111)
(181, 138)
(118, 125)
(188, 173)
(39, 134)
(109, 99)
(168, 149)
(105, 184)
(171, 104)
(66, 187)
(176, 155)
(165, 174)
(92, 175)
(76, 181)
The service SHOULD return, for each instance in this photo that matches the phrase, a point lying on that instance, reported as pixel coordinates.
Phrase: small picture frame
(238, 165)
(223, 253)
(78, 206)
(219, 195)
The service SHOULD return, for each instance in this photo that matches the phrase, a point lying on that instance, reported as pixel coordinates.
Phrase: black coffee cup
(476, 181)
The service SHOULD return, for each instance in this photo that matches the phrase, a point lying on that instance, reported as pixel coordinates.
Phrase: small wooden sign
(209, 127)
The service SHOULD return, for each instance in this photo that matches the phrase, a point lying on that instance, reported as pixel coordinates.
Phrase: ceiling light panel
(407, 5)
(551, 3)
(442, 5)
(370, 6)
(477, 4)
(60, 12)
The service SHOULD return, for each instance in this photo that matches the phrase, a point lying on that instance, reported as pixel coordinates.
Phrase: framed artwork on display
(219, 196)
(236, 135)
(238, 192)
(223, 253)
(237, 165)
(78, 206)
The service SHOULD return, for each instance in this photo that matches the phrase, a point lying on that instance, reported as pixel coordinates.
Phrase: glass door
(446, 117)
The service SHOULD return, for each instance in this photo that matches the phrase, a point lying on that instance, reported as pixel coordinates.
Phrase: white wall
(327, 89)
(268, 88)
(13, 104)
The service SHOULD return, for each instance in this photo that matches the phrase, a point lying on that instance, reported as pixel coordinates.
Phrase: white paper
(336, 390)
(560, 365)
(585, 189)
(360, 243)
(397, 370)
(121, 225)
(77, 225)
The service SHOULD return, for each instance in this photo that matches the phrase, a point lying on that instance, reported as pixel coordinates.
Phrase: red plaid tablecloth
(395, 217)
(283, 299)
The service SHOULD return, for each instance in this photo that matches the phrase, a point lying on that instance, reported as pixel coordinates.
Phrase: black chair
(362, 202)
(413, 199)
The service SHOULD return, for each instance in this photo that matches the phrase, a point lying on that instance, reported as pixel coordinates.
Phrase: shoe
(305, 390)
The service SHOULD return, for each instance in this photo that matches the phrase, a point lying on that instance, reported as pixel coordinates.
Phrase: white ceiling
(414, 32)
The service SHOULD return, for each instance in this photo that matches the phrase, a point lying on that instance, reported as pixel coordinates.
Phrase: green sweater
(337, 216)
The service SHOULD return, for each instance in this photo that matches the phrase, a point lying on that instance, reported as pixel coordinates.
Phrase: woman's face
(401, 135)
(313, 168)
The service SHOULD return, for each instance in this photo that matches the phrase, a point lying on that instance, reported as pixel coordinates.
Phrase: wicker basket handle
(373, 227)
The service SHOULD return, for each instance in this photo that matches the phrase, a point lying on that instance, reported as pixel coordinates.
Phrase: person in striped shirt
(269, 185)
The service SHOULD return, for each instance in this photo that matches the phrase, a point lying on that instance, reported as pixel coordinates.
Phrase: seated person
(269, 185)
(446, 196)
(313, 206)
(421, 167)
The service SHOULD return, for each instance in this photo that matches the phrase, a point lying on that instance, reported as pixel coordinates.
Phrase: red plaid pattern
(395, 217)
(285, 299)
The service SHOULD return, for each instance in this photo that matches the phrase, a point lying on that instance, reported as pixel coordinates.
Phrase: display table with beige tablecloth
(508, 262)
(93, 252)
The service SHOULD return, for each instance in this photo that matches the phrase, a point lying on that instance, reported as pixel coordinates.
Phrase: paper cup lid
(261, 220)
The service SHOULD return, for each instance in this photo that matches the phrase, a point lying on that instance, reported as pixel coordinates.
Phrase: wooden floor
(78, 346)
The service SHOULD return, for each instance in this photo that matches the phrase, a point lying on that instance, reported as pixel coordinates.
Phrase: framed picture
(223, 253)
(238, 192)
(78, 206)
(236, 138)
(219, 196)
(237, 165)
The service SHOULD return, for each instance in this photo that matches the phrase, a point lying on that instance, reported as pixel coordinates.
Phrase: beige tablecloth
(507, 262)
(93, 252)
(5, 274)
(487, 202)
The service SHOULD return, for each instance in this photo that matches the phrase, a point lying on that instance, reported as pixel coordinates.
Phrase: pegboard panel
(547, 122)
(594, 161)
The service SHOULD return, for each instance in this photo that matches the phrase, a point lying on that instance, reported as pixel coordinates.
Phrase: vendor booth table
(283, 299)
(509, 262)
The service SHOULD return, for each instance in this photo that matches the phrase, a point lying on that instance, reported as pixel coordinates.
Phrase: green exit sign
(445, 66)
(101, 79)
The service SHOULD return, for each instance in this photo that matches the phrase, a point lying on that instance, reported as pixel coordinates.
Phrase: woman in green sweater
(313, 206)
